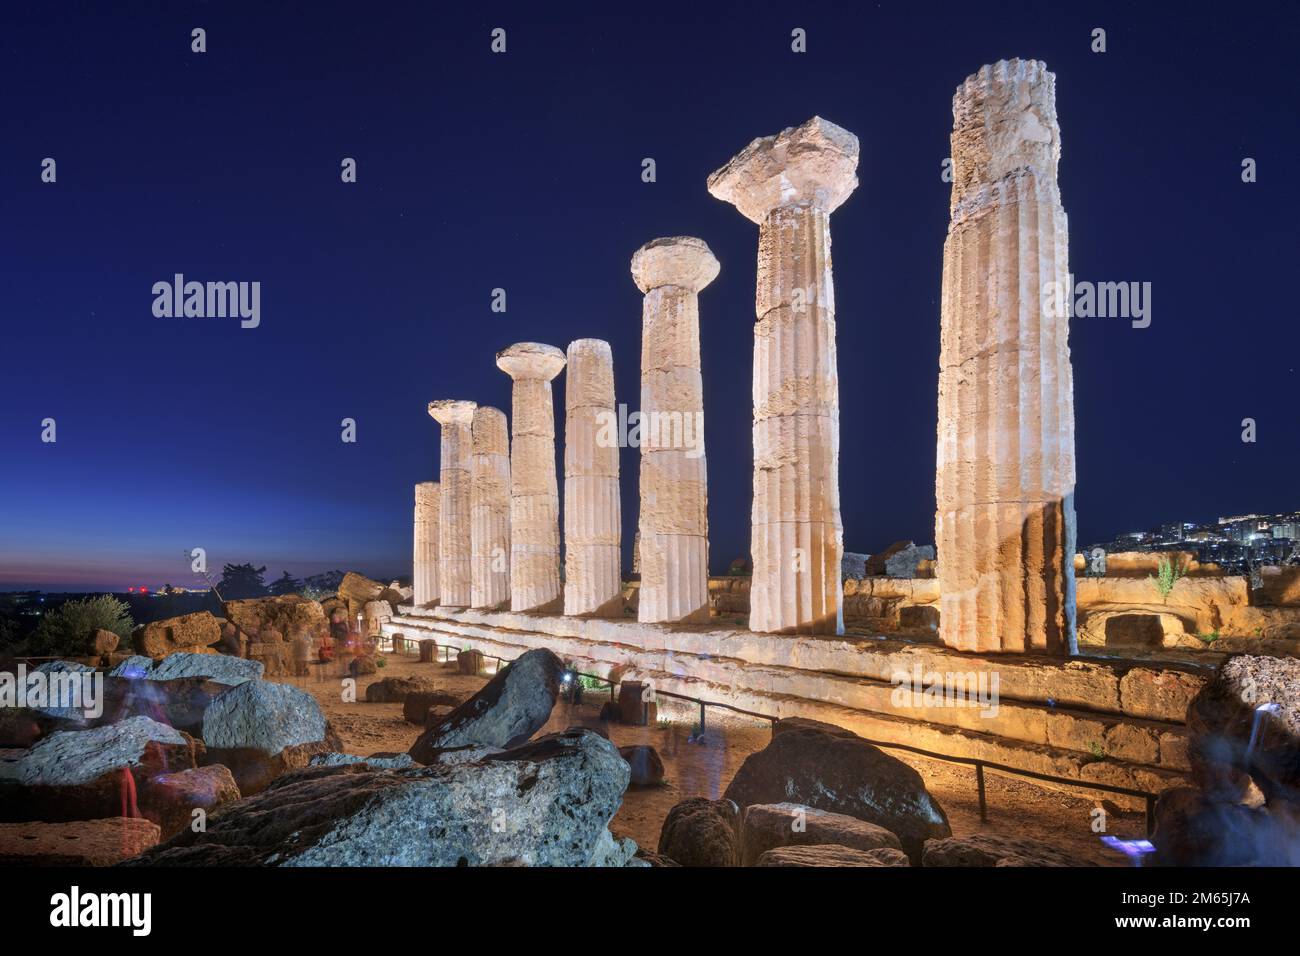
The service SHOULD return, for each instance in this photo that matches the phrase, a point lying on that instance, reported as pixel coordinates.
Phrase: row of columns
(1005, 453)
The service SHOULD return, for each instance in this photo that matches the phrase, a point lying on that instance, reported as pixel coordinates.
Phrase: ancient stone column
(1004, 480)
(790, 184)
(425, 579)
(454, 577)
(490, 509)
(593, 580)
(674, 523)
(534, 491)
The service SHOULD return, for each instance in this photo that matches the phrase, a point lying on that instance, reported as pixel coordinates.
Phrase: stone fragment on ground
(701, 832)
(831, 854)
(647, 766)
(103, 842)
(174, 797)
(189, 632)
(993, 850)
(766, 826)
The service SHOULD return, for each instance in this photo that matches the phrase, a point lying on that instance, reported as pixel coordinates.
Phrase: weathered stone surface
(395, 690)
(992, 850)
(262, 729)
(489, 499)
(137, 666)
(842, 775)
(701, 832)
(767, 826)
(388, 761)
(289, 614)
(534, 488)
(362, 665)
(218, 668)
(1194, 828)
(1005, 522)
(673, 542)
(853, 566)
(455, 576)
(899, 560)
(104, 642)
(555, 797)
(514, 705)
(919, 617)
(86, 774)
(655, 859)
(186, 632)
(425, 548)
(646, 764)
(790, 184)
(1220, 722)
(831, 854)
(593, 580)
(354, 591)
(173, 797)
(103, 842)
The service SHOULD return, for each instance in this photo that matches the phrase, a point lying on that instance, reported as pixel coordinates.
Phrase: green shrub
(68, 628)
(1167, 575)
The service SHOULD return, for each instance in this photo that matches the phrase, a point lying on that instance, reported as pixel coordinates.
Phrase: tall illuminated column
(534, 488)
(425, 564)
(593, 580)
(454, 575)
(790, 184)
(490, 509)
(674, 519)
(1004, 482)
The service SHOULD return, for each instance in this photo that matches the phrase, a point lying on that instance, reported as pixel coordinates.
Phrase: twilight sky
(523, 171)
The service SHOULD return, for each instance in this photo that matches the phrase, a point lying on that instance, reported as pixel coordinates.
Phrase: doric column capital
(449, 411)
(675, 260)
(812, 164)
(531, 360)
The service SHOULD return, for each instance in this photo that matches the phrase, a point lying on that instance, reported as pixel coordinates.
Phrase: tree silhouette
(286, 584)
(242, 581)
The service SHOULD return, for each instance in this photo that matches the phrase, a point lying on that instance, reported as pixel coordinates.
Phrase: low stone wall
(1111, 721)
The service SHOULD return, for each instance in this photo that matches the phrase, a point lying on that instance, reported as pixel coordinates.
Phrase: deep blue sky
(523, 171)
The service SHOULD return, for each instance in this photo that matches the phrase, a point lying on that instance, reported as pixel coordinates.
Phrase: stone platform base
(1087, 719)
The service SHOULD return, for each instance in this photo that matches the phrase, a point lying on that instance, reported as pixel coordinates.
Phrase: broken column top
(491, 433)
(1003, 122)
(675, 260)
(814, 163)
(426, 492)
(449, 411)
(531, 360)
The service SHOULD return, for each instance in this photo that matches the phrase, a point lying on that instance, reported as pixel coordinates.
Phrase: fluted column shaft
(593, 582)
(454, 573)
(674, 521)
(790, 184)
(534, 489)
(1005, 524)
(490, 509)
(425, 570)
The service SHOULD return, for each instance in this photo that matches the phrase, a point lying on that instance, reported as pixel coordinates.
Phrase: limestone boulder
(355, 590)
(104, 642)
(103, 842)
(991, 850)
(184, 633)
(841, 774)
(389, 761)
(287, 614)
(218, 668)
(765, 827)
(899, 560)
(701, 832)
(554, 798)
(831, 854)
(395, 690)
(514, 705)
(853, 566)
(375, 614)
(174, 797)
(1194, 828)
(261, 730)
(417, 706)
(646, 765)
(88, 774)
(1246, 692)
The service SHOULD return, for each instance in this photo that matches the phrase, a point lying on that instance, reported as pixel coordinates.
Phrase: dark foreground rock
(1219, 724)
(416, 706)
(174, 797)
(80, 843)
(832, 854)
(842, 774)
(88, 774)
(766, 826)
(701, 832)
(647, 766)
(395, 690)
(547, 803)
(389, 761)
(1194, 828)
(261, 730)
(990, 850)
(513, 706)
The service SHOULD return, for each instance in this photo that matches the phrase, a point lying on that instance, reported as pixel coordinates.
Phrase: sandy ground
(1015, 807)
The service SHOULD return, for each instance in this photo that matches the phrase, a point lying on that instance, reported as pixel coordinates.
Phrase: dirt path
(1015, 807)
